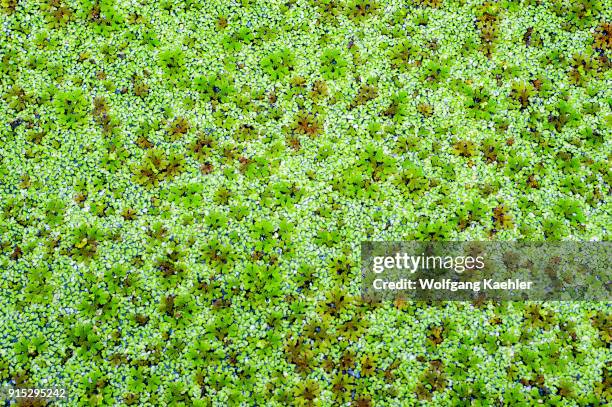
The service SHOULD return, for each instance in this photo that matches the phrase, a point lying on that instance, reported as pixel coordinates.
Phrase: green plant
(85, 241)
(172, 61)
(333, 64)
(361, 9)
(216, 88)
(278, 64)
(103, 14)
(71, 108)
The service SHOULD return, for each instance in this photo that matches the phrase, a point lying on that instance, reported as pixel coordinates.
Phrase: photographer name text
(380, 284)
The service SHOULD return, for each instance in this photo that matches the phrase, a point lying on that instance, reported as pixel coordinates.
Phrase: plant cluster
(184, 187)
